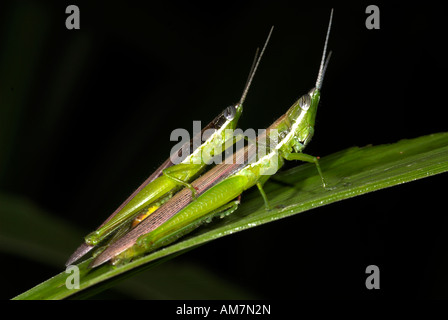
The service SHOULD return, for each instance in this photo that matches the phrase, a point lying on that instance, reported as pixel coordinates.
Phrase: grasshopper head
(233, 113)
(296, 127)
(298, 122)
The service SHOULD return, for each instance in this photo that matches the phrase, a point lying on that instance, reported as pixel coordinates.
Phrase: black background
(99, 104)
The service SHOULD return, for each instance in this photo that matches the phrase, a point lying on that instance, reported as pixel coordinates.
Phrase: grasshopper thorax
(297, 128)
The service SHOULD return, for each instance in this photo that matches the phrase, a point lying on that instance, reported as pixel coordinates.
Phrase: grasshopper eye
(229, 113)
(305, 102)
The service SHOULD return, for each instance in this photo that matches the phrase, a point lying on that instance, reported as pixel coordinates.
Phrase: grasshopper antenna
(254, 67)
(324, 62)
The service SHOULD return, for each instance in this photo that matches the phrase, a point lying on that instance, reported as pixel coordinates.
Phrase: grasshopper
(220, 188)
(169, 177)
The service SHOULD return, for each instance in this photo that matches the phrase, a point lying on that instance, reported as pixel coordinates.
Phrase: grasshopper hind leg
(151, 242)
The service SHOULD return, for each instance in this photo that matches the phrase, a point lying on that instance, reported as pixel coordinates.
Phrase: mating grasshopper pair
(158, 213)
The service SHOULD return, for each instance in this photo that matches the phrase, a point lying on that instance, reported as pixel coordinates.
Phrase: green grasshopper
(220, 188)
(169, 177)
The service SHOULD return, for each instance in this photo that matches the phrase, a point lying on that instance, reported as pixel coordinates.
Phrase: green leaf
(19, 217)
(349, 173)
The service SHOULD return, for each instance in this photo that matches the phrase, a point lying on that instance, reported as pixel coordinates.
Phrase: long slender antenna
(325, 67)
(254, 62)
(254, 68)
(324, 62)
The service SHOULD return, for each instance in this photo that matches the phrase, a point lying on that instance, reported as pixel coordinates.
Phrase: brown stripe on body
(177, 203)
(168, 163)
(177, 157)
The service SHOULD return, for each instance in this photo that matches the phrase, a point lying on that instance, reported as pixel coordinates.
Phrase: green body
(165, 185)
(285, 139)
(297, 128)
(169, 178)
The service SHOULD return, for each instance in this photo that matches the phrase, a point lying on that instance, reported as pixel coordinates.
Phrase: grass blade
(349, 173)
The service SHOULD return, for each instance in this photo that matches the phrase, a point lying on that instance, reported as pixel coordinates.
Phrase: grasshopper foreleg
(307, 158)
